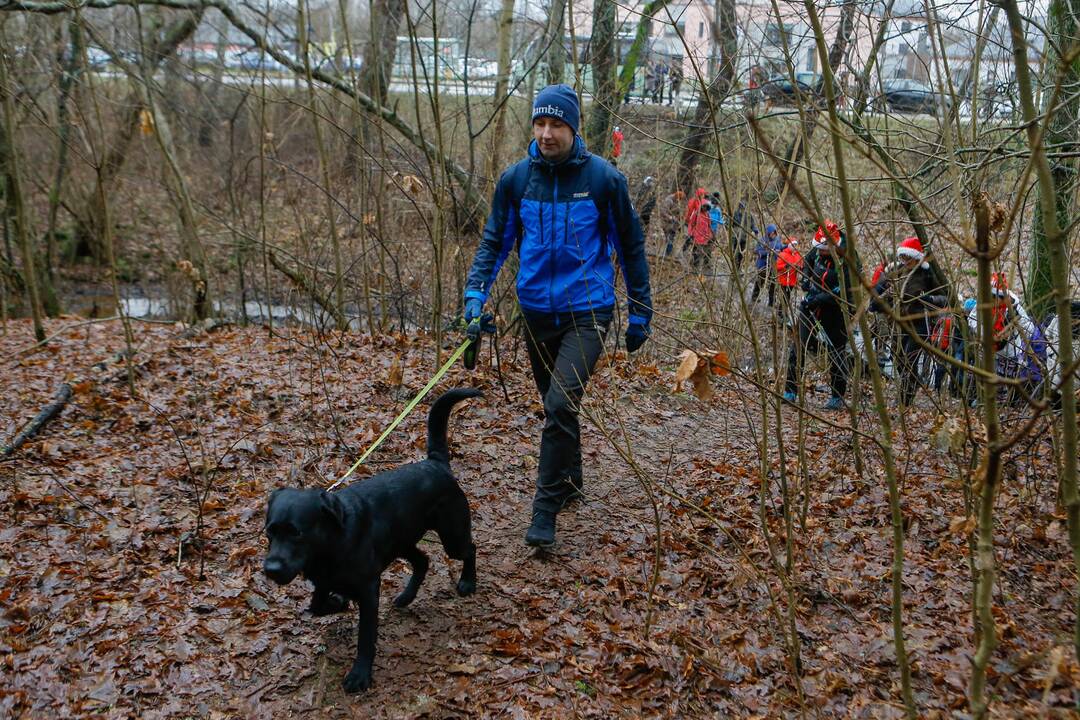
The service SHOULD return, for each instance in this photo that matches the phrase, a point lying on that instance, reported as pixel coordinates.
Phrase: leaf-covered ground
(104, 612)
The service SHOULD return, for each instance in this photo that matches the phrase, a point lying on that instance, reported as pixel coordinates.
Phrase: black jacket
(822, 274)
(911, 292)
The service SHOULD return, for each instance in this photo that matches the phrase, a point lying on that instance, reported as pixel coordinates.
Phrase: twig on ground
(60, 400)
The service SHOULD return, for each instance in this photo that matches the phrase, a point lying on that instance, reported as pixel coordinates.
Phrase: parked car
(97, 58)
(808, 85)
(904, 95)
(779, 88)
(478, 68)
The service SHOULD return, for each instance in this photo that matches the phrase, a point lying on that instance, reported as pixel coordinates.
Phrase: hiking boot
(790, 397)
(835, 403)
(542, 531)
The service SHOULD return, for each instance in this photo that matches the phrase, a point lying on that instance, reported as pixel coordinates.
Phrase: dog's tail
(439, 416)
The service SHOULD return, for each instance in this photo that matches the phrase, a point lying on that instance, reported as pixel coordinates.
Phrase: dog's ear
(270, 504)
(332, 508)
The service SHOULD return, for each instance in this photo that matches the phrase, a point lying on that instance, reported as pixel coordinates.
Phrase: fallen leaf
(720, 364)
(962, 525)
(462, 669)
(694, 368)
(396, 375)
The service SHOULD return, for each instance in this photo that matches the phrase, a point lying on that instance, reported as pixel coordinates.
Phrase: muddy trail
(131, 551)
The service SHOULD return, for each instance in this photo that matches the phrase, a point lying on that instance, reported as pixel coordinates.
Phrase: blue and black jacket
(566, 220)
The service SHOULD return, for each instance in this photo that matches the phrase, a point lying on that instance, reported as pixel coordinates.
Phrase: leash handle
(475, 331)
(404, 413)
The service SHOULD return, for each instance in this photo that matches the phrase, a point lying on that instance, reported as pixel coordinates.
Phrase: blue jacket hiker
(716, 217)
(767, 249)
(566, 212)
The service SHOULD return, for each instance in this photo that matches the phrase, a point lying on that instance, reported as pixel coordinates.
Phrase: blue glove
(636, 335)
(474, 307)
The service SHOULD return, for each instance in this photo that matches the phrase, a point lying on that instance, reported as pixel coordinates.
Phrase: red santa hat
(913, 249)
(999, 284)
(831, 230)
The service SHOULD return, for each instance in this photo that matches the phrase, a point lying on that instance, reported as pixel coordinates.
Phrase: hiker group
(661, 77)
(917, 321)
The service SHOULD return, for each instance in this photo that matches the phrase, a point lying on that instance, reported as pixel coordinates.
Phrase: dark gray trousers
(563, 354)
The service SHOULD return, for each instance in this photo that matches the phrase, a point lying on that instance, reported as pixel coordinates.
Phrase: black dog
(343, 541)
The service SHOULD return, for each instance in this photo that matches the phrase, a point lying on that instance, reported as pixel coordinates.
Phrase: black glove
(475, 329)
(811, 302)
(937, 301)
(483, 324)
(636, 335)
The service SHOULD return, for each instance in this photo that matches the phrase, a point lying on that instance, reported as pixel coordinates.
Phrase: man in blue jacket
(566, 211)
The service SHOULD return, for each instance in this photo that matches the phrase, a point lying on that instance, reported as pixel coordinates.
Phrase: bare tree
(602, 57)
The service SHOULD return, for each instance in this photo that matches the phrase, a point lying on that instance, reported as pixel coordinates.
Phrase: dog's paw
(332, 604)
(466, 587)
(404, 599)
(357, 680)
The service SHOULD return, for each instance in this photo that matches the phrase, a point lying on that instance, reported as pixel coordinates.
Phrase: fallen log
(59, 401)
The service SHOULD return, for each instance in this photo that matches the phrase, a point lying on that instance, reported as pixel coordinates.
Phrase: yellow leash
(404, 413)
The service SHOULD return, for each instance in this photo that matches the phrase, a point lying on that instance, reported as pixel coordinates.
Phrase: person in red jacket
(693, 205)
(616, 144)
(788, 264)
(701, 234)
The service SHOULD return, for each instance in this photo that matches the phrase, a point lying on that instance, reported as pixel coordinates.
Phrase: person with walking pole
(566, 211)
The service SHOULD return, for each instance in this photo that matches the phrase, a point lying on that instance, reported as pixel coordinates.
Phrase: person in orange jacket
(788, 264)
(616, 144)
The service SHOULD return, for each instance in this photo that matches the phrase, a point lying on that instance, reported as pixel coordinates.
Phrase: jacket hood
(578, 155)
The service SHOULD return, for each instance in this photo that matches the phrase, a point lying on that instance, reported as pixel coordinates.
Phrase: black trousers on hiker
(910, 352)
(563, 352)
(763, 278)
(832, 322)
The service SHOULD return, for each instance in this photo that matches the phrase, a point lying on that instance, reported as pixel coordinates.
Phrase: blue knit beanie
(559, 102)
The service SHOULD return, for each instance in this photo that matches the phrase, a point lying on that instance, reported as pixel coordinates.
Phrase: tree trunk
(703, 124)
(68, 68)
(641, 38)
(324, 166)
(88, 229)
(555, 35)
(209, 115)
(605, 90)
(502, 84)
(378, 65)
(1060, 138)
(193, 255)
(16, 208)
(1055, 235)
(988, 474)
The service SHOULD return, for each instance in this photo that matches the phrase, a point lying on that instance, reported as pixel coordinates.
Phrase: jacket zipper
(551, 248)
